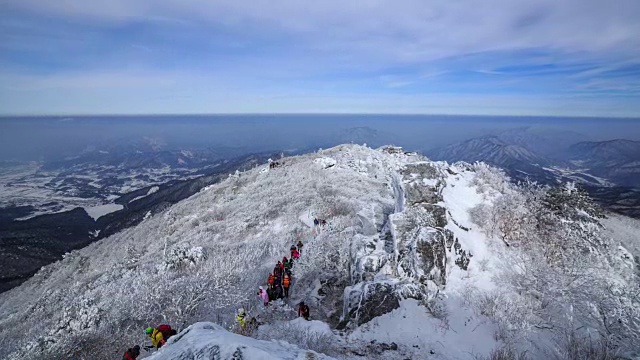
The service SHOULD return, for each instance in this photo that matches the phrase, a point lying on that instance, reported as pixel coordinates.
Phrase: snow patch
(462, 335)
(97, 211)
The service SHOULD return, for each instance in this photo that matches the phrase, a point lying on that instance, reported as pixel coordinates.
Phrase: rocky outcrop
(403, 254)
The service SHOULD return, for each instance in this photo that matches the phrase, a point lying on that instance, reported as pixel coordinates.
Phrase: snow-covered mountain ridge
(419, 259)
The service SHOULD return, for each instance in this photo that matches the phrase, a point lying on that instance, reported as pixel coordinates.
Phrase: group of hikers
(278, 284)
(159, 337)
(279, 280)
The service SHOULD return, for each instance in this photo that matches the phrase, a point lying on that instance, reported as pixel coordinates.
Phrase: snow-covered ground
(52, 191)
(207, 340)
(97, 211)
(152, 190)
(403, 268)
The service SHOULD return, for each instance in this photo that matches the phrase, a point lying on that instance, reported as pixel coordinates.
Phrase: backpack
(166, 331)
(286, 281)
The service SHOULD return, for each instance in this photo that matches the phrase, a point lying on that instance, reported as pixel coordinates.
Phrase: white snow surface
(97, 211)
(205, 340)
(151, 191)
(420, 333)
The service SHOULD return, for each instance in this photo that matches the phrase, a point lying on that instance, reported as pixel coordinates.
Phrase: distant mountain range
(609, 170)
(489, 149)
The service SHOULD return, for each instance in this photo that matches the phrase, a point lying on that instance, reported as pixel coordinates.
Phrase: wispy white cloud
(460, 48)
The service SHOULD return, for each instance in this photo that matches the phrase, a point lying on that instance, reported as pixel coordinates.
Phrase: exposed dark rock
(331, 292)
(431, 249)
(374, 300)
(386, 347)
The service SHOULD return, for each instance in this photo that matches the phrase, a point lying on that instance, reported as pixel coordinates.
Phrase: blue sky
(491, 57)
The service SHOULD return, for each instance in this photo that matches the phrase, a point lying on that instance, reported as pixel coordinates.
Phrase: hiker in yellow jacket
(240, 317)
(156, 337)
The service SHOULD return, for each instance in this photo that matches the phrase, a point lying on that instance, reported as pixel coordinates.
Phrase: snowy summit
(400, 258)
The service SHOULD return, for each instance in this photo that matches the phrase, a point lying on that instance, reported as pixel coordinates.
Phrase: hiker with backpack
(278, 270)
(271, 293)
(160, 335)
(263, 295)
(132, 353)
(303, 310)
(295, 254)
(271, 280)
(288, 264)
(279, 294)
(240, 318)
(299, 246)
(286, 282)
(157, 340)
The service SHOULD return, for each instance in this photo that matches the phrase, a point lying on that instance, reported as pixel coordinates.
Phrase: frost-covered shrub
(490, 180)
(327, 253)
(340, 207)
(575, 346)
(132, 257)
(562, 269)
(572, 202)
(438, 308)
(505, 353)
(303, 336)
(181, 256)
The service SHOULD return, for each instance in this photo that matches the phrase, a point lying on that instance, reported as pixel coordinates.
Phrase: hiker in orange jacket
(286, 282)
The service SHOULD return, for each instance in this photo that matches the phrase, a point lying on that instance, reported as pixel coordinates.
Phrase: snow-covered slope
(418, 259)
(207, 340)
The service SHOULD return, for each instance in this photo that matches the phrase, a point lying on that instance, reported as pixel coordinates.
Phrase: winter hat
(149, 330)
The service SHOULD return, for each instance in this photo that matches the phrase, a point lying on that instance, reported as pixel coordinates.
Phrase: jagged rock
(392, 346)
(431, 250)
(422, 170)
(371, 300)
(331, 292)
(367, 256)
(417, 194)
(365, 217)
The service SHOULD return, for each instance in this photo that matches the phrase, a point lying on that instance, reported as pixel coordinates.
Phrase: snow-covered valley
(417, 260)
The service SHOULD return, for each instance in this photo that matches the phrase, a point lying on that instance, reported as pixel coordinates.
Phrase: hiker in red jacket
(303, 310)
(132, 354)
(278, 270)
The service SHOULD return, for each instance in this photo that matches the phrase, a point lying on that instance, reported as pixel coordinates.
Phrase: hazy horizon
(58, 136)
